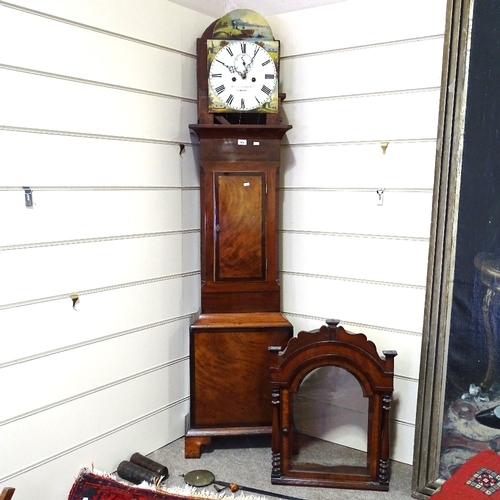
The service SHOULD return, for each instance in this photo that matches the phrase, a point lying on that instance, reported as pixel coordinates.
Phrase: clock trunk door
(240, 226)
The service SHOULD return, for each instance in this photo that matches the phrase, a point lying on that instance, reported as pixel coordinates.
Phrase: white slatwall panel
(73, 423)
(407, 165)
(80, 267)
(65, 466)
(96, 98)
(357, 23)
(191, 209)
(389, 260)
(82, 382)
(154, 21)
(402, 116)
(404, 400)
(99, 315)
(60, 49)
(413, 64)
(405, 214)
(55, 160)
(399, 308)
(357, 74)
(40, 102)
(402, 437)
(63, 215)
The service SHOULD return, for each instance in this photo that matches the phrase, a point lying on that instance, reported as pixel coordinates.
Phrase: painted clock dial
(242, 76)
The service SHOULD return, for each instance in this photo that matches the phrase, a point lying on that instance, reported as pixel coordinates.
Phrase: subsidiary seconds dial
(242, 76)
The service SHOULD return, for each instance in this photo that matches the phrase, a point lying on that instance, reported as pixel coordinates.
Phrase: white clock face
(243, 76)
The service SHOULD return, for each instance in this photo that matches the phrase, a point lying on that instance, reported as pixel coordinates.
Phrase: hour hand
(248, 66)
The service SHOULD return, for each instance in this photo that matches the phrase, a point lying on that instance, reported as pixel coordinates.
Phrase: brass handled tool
(202, 478)
(238, 487)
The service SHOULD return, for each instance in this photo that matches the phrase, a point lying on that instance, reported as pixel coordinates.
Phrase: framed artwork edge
(436, 328)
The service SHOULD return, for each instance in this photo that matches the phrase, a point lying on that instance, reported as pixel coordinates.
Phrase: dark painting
(473, 365)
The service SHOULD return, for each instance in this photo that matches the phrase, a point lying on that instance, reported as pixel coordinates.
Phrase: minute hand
(232, 69)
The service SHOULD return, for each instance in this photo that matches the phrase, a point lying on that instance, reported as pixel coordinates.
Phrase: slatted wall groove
(356, 74)
(95, 98)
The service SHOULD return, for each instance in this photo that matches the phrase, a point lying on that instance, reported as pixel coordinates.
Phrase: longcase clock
(239, 132)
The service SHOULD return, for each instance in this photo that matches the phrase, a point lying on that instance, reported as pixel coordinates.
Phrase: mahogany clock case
(239, 158)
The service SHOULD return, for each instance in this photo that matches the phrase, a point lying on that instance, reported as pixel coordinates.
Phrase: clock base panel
(230, 367)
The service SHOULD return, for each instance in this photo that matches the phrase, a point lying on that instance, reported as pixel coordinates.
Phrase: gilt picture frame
(459, 378)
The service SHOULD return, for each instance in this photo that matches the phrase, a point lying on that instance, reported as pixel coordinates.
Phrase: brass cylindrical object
(135, 473)
(149, 464)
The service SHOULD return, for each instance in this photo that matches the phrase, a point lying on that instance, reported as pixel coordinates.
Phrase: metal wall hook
(75, 299)
(28, 196)
(380, 193)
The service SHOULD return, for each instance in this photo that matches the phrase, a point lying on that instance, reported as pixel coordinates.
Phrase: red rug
(476, 479)
(91, 485)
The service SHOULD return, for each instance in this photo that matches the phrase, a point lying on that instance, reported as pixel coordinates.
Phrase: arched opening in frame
(330, 417)
(301, 454)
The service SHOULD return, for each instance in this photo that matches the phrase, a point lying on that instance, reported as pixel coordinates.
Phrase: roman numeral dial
(242, 76)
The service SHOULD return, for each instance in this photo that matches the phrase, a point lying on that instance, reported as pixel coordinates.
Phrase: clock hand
(232, 69)
(241, 62)
(249, 67)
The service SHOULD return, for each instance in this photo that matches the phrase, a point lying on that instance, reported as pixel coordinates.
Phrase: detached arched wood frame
(332, 346)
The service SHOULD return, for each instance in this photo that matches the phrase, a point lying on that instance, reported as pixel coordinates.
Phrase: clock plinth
(239, 156)
(230, 362)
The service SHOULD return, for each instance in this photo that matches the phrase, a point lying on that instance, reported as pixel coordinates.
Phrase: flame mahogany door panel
(240, 209)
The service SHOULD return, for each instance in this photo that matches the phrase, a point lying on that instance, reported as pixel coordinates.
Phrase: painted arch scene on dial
(242, 23)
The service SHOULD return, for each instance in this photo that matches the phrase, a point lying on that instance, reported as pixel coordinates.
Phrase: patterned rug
(477, 479)
(93, 485)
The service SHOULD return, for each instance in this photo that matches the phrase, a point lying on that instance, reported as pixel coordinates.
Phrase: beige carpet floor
(246, 460)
